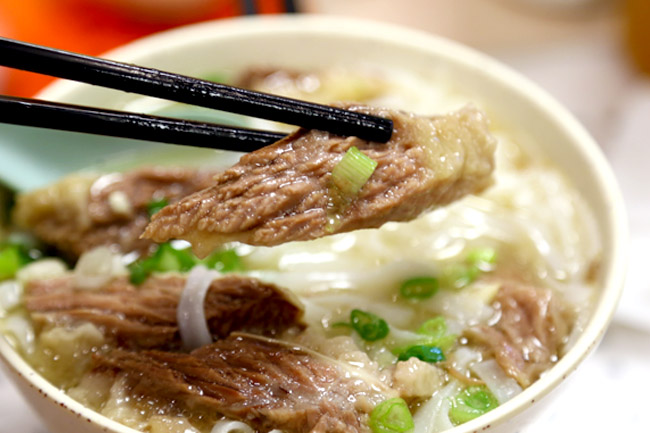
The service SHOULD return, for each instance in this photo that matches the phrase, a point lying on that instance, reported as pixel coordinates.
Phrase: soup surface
(413, 326)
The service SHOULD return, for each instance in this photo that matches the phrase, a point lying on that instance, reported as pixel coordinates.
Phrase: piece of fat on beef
(144, 317)
(268, 384)
(283, 192)
(532, 328)
(83, 211)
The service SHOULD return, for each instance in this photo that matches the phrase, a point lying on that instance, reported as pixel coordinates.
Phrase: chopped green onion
(169, 259)
(165, 259)
(352, 171)
(224, 261)
(391, 416)
(139, 272)
(369, 326)
(436, 327)
(419, 288)
(12, 258)
(471, 403)
(482, 258)
(155, 205)
(459, 275)
(447, 342)
(423, 352)
(215, 77)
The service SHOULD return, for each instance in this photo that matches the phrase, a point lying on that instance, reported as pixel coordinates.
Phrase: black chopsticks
(180, 88)
(68, 117)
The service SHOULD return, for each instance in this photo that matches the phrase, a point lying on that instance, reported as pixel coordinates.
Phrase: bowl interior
(532, 117)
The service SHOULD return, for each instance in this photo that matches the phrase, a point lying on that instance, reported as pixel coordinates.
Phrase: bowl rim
(616, 220)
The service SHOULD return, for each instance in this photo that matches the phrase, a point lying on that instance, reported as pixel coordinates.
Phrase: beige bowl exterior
(315, 42)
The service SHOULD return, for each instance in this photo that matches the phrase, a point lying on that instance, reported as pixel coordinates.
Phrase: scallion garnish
(352, 172)
(482, 258)
(224, 261)
(156, 204)
(422, 352)
(436, 329)
(391, 416)
(419, 288)
(12, 258)
(169, 259)
(460, 275)
(369, 326)
(471, 403)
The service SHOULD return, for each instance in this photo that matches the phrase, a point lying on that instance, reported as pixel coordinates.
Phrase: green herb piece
(471, 403)
(391, 416)
(419, 288)
(436, 327)
(165, 259)
(424, 353)
(482, 258)
(139, 272)
(369, 326)
(447, 342)
(459, 275)
(169, 259)
(12, 258)
(224, 261)
(155, 205)
(215, 77)
(352, 171)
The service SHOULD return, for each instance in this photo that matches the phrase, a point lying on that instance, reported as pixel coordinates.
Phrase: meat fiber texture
(528, 338)
(283, 192)
(84, 211)
(144, 317)
(266, 383)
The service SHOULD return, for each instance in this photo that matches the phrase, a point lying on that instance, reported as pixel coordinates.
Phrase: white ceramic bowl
(315, 42)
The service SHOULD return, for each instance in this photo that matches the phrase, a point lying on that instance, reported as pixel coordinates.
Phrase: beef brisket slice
(531, 331)
(266, 383)
(283, 192)
(145, 316)
(83, 212)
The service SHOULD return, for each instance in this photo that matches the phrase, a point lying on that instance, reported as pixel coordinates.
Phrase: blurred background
(592, 55)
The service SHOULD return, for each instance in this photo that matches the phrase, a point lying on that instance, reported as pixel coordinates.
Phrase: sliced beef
(82, 212)
(266, 383)
(283, 192)
(144, 316)
(531, 331)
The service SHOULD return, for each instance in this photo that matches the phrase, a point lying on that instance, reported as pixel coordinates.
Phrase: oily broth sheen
(534, 219)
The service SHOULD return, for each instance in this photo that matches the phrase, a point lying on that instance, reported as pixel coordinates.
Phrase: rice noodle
(433, 416)
(21, 328)
(97, 267)
(41, 270)
(190, 313)
(231, 427)
(502, 386)
(11, 292)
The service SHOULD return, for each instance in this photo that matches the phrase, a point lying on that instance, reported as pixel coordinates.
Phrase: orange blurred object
(95, 26)
(637, 21)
